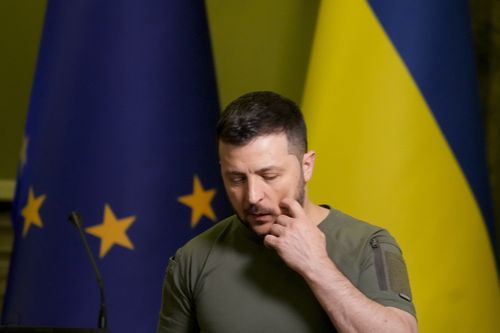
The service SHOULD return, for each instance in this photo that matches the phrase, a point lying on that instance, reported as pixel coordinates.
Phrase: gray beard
(301, 191)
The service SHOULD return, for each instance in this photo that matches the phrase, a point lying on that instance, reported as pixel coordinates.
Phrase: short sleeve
(177, 310)
(384, 277)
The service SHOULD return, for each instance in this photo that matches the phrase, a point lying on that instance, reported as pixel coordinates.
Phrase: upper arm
(177, 313)
(384, 276)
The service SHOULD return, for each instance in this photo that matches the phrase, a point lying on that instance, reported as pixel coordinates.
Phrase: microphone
(75, 219)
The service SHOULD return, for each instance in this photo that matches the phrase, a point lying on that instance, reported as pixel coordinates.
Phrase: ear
(308, 164)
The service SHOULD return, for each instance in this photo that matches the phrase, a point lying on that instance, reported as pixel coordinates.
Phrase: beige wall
(20, 28)
(486, 28)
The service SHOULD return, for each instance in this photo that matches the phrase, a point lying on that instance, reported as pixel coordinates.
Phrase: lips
(259, 214)
(260, 217)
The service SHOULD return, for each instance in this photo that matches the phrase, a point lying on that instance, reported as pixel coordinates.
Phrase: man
(282, 263)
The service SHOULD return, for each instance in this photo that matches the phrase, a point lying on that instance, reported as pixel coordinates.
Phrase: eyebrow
(259, 171)
(270, 168)
(234, 173)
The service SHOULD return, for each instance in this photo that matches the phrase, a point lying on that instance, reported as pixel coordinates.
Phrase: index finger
(293, 207)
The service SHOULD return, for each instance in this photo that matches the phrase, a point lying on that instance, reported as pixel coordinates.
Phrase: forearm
(348, 308)
(302, 246)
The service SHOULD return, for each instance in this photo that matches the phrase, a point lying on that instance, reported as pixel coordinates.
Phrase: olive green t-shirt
(226, 280)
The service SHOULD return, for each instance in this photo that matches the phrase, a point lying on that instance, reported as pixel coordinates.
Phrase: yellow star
(30, 212)
(112, 231)
(199, 202)
(23, 157)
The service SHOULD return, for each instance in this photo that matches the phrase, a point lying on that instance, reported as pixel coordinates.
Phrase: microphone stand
(75, 219)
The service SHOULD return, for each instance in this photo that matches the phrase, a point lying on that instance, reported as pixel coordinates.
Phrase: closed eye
(269, 177)
(236, 178)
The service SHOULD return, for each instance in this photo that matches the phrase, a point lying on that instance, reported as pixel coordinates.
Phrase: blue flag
(121, 127)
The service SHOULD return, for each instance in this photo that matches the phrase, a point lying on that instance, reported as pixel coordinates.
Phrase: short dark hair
(262, 113)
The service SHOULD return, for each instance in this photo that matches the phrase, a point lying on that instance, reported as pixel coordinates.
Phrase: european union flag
(120, 128)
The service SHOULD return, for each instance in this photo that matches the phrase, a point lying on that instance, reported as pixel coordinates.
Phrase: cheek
(288, 188)
(282, 190)
(235, 196)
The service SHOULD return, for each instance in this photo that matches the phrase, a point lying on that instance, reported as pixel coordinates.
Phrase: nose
(255, 191)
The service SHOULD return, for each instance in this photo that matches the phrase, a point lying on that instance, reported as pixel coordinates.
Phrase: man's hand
(300, 243)
(297, 240)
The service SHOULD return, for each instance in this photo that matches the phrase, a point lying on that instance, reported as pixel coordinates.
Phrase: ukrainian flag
(392, 106)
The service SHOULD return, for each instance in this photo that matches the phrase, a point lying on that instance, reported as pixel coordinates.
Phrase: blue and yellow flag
(393, 113)
(121, 128)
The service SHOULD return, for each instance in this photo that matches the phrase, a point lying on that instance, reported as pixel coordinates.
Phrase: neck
(315, 212)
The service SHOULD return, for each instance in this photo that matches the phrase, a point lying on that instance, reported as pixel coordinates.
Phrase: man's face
(258, 175)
